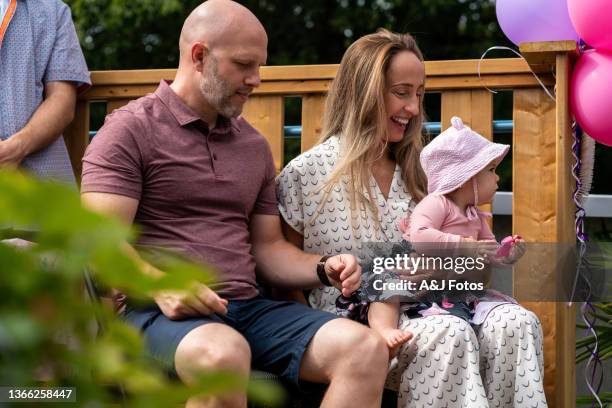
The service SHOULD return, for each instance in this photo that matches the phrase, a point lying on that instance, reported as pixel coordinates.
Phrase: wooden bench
(542, 185)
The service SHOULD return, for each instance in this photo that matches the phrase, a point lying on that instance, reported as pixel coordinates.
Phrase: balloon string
(499, 47)
(594, 363)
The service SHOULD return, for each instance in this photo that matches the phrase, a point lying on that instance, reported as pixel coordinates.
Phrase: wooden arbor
(542, 183)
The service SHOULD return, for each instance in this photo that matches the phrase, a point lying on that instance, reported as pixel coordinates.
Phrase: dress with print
(448, 362)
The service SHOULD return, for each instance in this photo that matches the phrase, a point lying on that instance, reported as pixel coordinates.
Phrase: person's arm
(46, 124)
(175, 304)
(295, 295)
(292, 235)
(282, 264)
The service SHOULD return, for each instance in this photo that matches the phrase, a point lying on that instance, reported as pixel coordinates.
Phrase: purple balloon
(535, 20)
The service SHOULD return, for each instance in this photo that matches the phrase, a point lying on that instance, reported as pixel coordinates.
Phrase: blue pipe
(433, 128)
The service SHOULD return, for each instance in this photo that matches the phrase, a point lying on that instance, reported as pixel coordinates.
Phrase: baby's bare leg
(383, 318)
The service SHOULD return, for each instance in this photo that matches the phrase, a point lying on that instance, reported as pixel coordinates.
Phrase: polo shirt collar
(184, 115)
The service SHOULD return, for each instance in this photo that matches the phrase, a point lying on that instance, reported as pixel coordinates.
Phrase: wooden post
(113, 104)
(267, 115)
(76, 137)
(543, 210)
(475, 108)
(313, 107)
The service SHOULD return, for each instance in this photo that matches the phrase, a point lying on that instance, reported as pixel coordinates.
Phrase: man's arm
(175, 305)
(296, 295)
(46, 124)
(284, 265)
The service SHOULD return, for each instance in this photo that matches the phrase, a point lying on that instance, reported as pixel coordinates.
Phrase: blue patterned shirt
(3, 7)
(40, 46)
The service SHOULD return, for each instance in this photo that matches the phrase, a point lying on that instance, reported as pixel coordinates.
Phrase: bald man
(198, 179)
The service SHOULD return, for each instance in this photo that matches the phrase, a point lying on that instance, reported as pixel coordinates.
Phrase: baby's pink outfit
(450, 161)
(437, 224)
(437, 220)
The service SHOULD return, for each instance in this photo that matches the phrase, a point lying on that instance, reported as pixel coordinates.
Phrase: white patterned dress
(447, 363)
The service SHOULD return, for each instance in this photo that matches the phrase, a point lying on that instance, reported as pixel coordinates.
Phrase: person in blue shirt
(42, 68)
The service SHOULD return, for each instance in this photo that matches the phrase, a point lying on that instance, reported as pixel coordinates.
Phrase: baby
(460, 166)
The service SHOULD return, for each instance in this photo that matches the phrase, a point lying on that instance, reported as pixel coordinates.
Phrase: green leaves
(122, 34)
(47, 325)
(603, 328)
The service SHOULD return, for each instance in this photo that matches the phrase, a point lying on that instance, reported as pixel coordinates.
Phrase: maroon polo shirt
(197, 188)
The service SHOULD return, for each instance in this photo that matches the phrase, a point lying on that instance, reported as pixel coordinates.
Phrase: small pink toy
(506, 245)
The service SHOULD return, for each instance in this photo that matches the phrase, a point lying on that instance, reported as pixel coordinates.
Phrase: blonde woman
(355, 186)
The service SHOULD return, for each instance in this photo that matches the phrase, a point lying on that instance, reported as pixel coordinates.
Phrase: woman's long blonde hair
(355, 112)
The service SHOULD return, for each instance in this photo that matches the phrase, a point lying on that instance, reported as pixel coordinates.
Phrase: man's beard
(217, 92)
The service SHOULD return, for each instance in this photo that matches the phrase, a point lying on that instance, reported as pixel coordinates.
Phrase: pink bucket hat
(455, 156)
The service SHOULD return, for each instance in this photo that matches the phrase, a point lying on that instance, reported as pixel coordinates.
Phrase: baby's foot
(395, 338)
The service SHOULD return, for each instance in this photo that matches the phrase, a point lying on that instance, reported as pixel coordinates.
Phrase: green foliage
(47, 334)
(117, 34)
(122, 34)
(605, 397)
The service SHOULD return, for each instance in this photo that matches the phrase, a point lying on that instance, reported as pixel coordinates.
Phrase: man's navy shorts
(278, 332)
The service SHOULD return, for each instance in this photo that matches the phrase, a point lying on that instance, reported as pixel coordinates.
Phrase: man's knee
(213, 346)
(360, 346)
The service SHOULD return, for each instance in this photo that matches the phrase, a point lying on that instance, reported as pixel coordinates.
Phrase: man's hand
(344, 273)
(45, 126)
(11, 153)
(176, 305)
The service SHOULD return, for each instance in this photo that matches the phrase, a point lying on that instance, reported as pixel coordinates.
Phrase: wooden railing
(542, 183)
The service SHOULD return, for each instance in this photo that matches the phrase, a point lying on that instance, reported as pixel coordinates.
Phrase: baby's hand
(518, 250)
(512, 249)
(483, 248)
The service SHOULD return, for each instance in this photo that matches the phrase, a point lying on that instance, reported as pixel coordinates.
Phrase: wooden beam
(76, 137)
(565, 374)
(475, 108)
(542, 55)
(543, 213)
(288, 88)
(313, 108)
(534, 212)
(492, 66)
(267, 115)
(115, 104)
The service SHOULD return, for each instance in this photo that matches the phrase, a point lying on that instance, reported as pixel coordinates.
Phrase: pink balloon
(591, 95)
(592, 20)
(535, 20)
